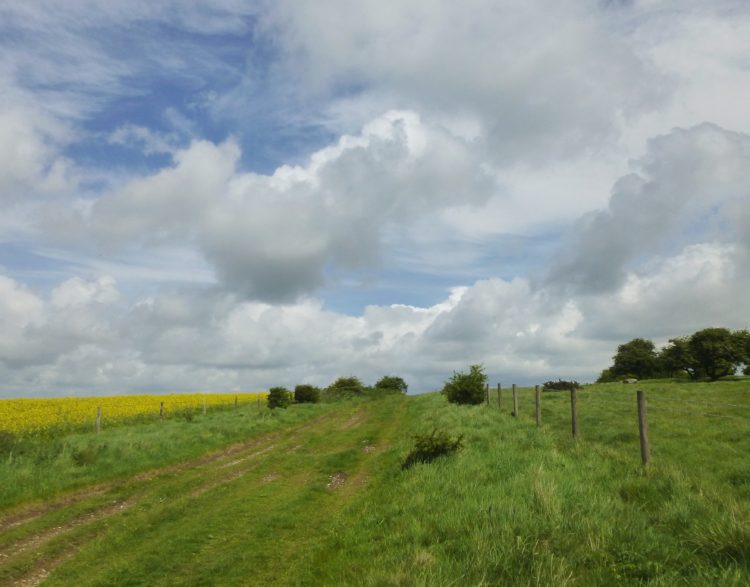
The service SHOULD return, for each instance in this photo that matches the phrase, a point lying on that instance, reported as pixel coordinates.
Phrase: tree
(306, 394)
(677, 356)
(391, 384)
(717, 351)
(636, 358)
(607, 376)
(466, 388)
(742, 338)
(279, 397)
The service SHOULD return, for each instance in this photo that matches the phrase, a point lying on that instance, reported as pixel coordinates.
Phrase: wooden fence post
(643, 427)
(538, 398)
(235, 402)
(259, 404)
(487, 393)
(98, 419)
(204, 406)
(573, 413)
(515, 402)
(161, 410)
(498, 395)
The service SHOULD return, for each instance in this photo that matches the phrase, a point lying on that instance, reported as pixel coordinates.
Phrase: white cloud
(272, 237)
(698, 287)
(150, 142)
(692, 186)
(75, 292)
(19, 307)
(30, 160)
(545, 81)
(457, 124)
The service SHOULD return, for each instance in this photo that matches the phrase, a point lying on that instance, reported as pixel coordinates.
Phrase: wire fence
(599, 411)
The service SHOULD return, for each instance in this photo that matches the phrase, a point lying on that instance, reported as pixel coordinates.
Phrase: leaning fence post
(98, 419)
(515, 402)
(498, 395)
(643, 426)
(573, 413)
(161, 409)
(538, 401)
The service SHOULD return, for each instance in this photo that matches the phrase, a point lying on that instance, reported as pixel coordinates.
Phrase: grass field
(315, 495)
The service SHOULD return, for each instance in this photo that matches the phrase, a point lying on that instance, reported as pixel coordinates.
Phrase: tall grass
(522, 505)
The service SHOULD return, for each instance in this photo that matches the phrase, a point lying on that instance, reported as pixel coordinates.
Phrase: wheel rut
(211, 471)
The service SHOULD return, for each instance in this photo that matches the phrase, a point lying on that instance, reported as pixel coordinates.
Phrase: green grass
(40, 468)
(517, 505)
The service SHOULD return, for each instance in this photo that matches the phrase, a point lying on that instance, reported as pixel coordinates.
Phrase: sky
(232, 195)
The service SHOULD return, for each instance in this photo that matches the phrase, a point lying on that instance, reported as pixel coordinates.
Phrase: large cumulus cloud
(461, 133)
(272, 237)
(692, 186)
(668, 256)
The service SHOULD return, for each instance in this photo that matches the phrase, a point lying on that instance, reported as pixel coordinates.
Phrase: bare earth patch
(336, 480)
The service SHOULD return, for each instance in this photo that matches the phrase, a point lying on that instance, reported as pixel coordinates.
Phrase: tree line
(710, 353)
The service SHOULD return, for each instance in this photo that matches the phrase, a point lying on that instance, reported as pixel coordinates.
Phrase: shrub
(87, 455)
(391, 384)
(607, 376)
(306, 394)
(466, 388)
(279, 397)
(560, 385)
(7, 442)
(428, 447)
(345, 387)
(351, 383)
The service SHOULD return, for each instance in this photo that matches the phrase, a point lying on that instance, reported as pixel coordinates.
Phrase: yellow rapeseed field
(32, 416)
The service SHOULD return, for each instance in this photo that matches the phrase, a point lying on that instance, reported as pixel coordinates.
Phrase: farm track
(25, 514)
(33, 555)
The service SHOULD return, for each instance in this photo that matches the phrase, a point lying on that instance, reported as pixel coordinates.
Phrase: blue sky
(235, 195)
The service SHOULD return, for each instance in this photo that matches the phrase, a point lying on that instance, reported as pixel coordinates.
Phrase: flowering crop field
(34, 416)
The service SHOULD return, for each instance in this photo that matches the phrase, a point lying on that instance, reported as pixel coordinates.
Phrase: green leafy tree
(607, 376)
(279, 397)
(742, 338)
(636, 358)
(391, 384)
(677, 356)
(466, 388)
(717, 351)
(306, 394)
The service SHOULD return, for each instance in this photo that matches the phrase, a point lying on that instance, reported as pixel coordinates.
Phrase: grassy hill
(315, 495)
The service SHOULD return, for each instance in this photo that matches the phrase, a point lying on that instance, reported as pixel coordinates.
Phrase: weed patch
(428, 447)
(87, 455)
